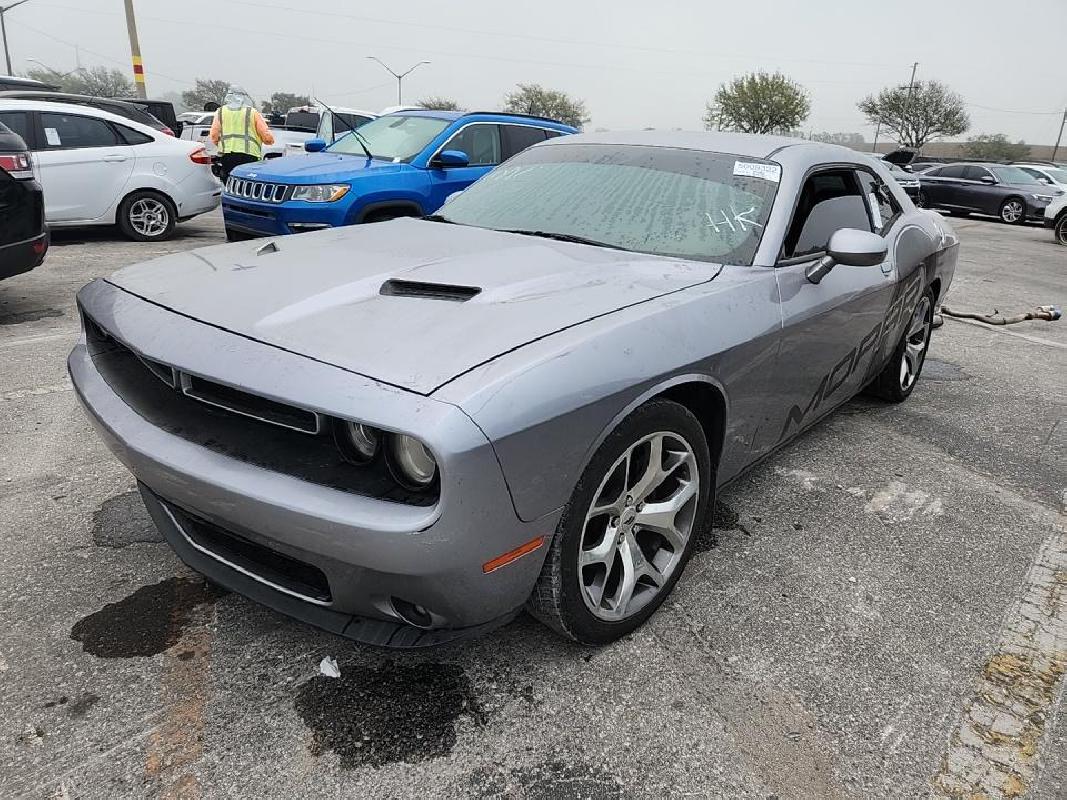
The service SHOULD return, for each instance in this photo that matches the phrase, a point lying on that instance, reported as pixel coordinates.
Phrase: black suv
(23, 237)
(997, 189)
(124, 108)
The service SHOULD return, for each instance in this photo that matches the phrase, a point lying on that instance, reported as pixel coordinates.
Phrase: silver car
(407, 432)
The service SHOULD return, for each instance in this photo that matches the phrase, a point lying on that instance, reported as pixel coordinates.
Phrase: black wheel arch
(406, 208)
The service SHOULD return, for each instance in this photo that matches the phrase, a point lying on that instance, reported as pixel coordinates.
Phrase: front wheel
(628, 530)
(897, 381)
(147, 217)
(1012, 211)
(1059, 230)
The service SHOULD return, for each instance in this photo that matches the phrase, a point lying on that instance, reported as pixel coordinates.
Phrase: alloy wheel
(638, 525)
(149, 217)
(1012, 211)
(1061, 230)
(915, 344)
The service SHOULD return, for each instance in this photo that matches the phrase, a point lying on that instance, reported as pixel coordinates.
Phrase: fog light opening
(413, 613)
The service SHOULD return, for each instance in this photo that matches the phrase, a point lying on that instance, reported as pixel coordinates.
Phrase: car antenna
(349, 125)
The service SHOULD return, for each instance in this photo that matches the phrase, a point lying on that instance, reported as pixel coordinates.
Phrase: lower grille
(273, 567)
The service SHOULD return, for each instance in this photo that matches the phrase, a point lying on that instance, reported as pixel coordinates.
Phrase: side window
(480, 142)
(551, 134)
(518, 137)
(66, 131)
(828, 202)
(883, 205)
(952, 172)
(19, 122)
(130, 136)
(976, 173)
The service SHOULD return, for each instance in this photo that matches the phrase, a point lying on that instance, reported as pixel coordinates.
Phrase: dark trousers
(228, 161)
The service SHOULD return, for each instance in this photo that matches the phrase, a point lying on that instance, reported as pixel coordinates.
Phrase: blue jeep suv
(402, 164)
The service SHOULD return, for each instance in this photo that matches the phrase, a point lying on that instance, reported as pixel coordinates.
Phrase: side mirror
(315, 145)
(989, 180)
(1045, 181)
(851, 248)
(452, 158)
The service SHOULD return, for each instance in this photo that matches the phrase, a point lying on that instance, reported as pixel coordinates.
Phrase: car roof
(741, 144)
(12, 103)
(499, 116)
(59, 97)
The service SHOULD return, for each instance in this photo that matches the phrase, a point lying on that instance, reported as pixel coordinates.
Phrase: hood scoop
(429, 291)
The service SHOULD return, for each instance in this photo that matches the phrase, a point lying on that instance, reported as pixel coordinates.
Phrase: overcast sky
(635, 64)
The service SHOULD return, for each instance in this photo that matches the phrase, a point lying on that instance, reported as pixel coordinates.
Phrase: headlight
(411, 463)
(320, 193)
(1044, 198)
(358, 443)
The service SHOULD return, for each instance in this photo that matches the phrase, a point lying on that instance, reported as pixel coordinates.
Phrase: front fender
(548, 406)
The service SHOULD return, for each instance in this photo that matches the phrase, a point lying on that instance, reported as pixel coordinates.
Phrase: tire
(603, 521)
(897, 380)
(147, 216)
(386, 214)
(1059, 230)
(1013, 211)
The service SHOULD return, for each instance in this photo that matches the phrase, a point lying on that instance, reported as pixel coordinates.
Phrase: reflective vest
(237, 131)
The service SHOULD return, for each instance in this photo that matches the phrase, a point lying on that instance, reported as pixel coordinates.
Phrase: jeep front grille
(257, 190)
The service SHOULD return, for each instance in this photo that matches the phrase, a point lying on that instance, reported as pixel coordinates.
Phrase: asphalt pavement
(881, 611)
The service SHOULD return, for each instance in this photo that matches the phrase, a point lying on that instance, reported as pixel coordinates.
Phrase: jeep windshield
(662, 201)
(394, 137)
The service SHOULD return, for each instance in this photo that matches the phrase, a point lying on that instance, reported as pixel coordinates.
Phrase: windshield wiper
(565, 237)
(359, 136)
(439, 218)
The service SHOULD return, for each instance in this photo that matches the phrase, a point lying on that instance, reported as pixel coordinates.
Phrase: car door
(483, 145)
(942, 185)
(978, 190)
(84, 165)
(831, 330)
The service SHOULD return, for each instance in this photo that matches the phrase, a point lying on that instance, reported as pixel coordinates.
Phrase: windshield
(1057, 174)
(393, 138)
(683, 203)
(1012, 175)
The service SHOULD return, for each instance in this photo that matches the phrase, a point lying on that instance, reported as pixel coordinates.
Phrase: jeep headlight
(320, 192)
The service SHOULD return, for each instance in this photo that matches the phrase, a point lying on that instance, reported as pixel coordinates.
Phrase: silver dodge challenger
(408, 432)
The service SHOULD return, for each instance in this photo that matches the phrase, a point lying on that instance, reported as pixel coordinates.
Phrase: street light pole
(399, 76)
(1059, 138)
(3, 31)
(135, 51)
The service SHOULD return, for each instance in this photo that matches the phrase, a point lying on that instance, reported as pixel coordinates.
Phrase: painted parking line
(995, 749)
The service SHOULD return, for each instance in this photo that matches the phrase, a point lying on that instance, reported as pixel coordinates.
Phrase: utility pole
(135, 51)
(911, 91)
(877, 130)
(399, 76)
(1059, 138)
(3, 31)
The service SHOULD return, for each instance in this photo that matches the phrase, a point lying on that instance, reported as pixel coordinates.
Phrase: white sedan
(101, 169)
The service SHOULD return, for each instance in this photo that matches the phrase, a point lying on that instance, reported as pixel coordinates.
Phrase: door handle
(115, 157)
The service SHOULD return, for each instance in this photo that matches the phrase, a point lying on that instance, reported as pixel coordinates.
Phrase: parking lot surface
(881, 610)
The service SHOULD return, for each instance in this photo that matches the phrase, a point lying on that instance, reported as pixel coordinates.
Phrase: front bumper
(279, 219)
(369, 552)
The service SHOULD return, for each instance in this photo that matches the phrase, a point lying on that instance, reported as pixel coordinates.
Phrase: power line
(1014, 111)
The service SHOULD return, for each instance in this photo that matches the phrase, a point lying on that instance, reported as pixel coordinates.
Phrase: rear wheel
(898, 379)
(1013, 211)
(147, 216)
(1059, 230)
(628, 531)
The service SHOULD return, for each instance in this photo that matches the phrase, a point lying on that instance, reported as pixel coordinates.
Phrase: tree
(919, 114)
(205, 91)
(95, 81)
(532, 98)
(758, 103)
(438, 103)
(283, 101)
(995, 147)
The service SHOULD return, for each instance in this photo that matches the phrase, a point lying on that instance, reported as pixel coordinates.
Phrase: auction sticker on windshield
(751, 169)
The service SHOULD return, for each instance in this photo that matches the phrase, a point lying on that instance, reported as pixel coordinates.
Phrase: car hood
(325, 294)
(317, 168)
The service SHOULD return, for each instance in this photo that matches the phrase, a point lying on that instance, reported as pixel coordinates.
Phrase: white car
(98, 168)
(1048, 173)
(1056, 218)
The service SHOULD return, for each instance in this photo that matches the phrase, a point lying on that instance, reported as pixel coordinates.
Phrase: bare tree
(95, 81)
(758, 103)
(917, 114)
(995, 147)
(206, 91)
(438, 103)
(531, 98)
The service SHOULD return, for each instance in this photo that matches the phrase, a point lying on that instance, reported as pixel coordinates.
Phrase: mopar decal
(908, 297)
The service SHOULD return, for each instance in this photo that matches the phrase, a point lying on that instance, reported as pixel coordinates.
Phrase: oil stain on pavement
(18, 317)
(123, 520)
(385, 714)
(724, 518)
(147, 622)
